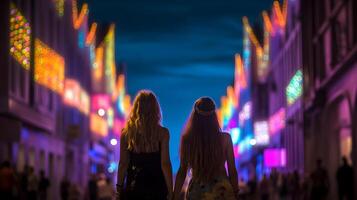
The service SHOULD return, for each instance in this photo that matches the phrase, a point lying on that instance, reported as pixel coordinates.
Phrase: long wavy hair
(201, 141)
(142, 127)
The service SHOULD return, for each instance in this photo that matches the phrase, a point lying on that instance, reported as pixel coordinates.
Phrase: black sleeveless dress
(145, 179)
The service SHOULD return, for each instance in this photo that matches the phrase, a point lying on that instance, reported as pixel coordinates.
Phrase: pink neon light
(277, 121)
(275, 157)
(100, 101)
(261, 132)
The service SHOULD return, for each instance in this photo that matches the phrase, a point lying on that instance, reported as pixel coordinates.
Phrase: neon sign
(275, 157)
(49, 67)
(261, 132)
(294, 88)
(277, 121)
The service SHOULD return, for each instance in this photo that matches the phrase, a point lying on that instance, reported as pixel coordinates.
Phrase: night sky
(179, 49)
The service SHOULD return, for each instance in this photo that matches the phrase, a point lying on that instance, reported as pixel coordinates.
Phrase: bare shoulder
(164, 132)
(226, 137)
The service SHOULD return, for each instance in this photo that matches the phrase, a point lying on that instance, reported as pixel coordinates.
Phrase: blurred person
(274, 177)
(7, 181)
(74, 192)
(144, 152)
(32, 185)
(264, 188)
(283, 186)
(204, 150)
(23, 181)
(64, 188)
(345, 180)
(43, 186)
(252, 186)
(92, 187)
(106, 190)
(319, 182)
(243, 188)
(295, 185)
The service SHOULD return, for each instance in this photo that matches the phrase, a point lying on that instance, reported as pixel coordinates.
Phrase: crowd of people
(28, 185)
(293, 186)
(24, 185)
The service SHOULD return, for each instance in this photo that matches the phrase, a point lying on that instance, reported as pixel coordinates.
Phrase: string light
(20, 37)
(294, 88)
(59, 4)
(49, 67)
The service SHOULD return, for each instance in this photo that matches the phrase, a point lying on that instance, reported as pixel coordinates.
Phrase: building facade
(51, 61)
(330, 89)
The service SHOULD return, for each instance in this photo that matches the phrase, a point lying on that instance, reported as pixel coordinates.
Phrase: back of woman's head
(201, 142)
(142, 127)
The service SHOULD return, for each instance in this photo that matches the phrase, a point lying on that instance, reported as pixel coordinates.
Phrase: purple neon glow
(275, 157)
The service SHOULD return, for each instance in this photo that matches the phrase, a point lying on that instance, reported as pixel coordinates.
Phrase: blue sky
(180, 49)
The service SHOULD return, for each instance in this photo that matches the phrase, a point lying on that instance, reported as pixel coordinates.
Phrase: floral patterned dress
(218, 189)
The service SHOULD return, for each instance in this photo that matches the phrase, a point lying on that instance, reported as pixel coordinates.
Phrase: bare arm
(180, 176)
(124, 160)
(232, 171)
(165, 161)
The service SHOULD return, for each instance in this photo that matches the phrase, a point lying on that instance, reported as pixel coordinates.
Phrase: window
(339, 36)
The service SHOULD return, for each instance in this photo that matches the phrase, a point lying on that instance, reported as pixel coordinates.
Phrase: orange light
(98, 125)
(91, 35)
(75, 96)
(78, 20)
(49, 67)
(267, 23)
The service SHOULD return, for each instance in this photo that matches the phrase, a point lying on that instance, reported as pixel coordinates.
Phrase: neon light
(100, 101)
(110, 73)
(78, 19)
(98, 125)
(235, 135)
(91, 35)
(245, 113)
(81, 38)
(71, 95)
(261, 132)
(118, 126)
(49, 67)
(275, 158)
(110, 117)
(240, 81)
(98, 67)
(59, 4)
(20, 37)
(294, 88)
(277, 121)
(75, 96)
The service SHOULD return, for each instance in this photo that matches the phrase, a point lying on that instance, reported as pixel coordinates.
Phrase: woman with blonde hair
(144, 153)
(205, 149)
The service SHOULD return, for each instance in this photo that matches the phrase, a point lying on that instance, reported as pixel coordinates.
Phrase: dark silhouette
(345, 180)
(319, 182)
(295, 185)
(43, 186)
(264, 188)
(7, 181)
(64, 189)
(32, 185)
(93, 188)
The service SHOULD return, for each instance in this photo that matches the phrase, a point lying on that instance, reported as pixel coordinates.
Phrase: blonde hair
(143, 126)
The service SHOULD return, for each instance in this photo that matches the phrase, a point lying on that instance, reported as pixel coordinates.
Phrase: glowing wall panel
(277, 121)
(98, 125)
(75, 96)
(49, 67)
(101, 101)
(20, 37)
(294, 88)
(261, 132)
(275, 157)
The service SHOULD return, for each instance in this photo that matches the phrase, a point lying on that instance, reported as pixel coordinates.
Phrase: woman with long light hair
(144, 153)
(205, 149)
